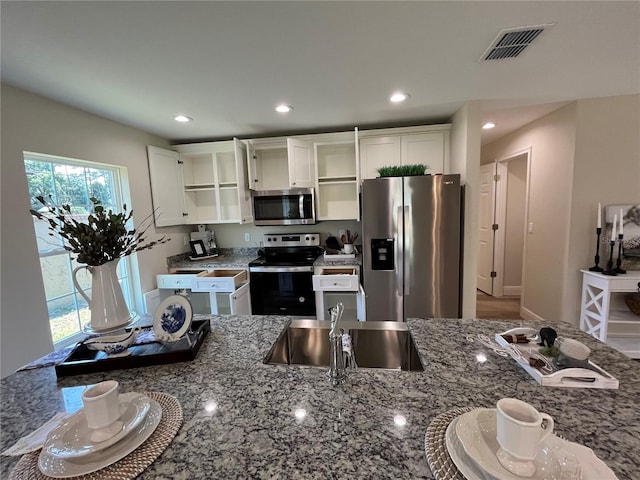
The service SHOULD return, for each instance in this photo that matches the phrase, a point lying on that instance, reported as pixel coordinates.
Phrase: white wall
(232, 235)
(33, 123)
(607, 170)
(514, 225)
(465, 160)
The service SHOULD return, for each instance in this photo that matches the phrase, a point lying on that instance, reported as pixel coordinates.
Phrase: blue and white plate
(172, 318)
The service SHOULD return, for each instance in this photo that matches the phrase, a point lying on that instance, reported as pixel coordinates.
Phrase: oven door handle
(281, 269)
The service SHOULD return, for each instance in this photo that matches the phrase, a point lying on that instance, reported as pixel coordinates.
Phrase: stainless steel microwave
(295, 206)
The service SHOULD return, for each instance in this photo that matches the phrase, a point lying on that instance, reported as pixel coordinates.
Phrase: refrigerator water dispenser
(382, 254)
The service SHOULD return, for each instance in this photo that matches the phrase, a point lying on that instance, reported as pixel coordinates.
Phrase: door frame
(500, 219)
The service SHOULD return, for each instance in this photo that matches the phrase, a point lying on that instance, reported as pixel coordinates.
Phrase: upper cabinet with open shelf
(211, 182)
(201, 183)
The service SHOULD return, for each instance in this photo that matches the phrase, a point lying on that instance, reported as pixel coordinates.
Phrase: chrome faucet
(337, 373)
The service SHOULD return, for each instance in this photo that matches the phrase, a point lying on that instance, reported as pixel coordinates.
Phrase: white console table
(603, 313)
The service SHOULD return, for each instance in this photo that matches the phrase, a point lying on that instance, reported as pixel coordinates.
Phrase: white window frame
(126, 281)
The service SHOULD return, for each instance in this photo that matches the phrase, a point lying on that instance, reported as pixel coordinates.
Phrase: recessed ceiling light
(399, 97)
(284, 108)
(488, 126)
(183, 119)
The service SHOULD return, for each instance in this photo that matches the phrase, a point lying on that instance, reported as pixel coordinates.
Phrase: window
(70, 182)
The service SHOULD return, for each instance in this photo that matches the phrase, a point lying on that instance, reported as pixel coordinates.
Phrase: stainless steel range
(281, 280)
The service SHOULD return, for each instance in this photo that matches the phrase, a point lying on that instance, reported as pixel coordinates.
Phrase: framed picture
(631, 233)
(197, 248)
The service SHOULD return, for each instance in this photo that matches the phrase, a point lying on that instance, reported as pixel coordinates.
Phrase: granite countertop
(226, 260)
(245, 419)
(241, 260)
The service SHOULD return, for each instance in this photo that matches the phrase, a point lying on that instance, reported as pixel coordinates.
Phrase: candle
(621, 222)
(599, 215)
(613, 229)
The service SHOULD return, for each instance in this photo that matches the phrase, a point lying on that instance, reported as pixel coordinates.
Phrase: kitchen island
(245, 419)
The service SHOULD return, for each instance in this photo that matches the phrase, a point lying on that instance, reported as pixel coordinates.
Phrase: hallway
(503, 308)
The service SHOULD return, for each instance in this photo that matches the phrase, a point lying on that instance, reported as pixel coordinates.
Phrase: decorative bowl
(633, 302)
(113, 345)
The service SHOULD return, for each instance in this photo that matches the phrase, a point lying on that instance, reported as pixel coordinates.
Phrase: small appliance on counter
(203, 244)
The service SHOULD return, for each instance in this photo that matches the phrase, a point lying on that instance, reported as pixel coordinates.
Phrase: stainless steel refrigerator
(411, 229)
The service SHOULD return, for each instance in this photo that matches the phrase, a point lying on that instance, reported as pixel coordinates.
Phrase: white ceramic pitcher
(108, 307)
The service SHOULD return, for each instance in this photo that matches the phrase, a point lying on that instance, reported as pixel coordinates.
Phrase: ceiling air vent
(511, 42)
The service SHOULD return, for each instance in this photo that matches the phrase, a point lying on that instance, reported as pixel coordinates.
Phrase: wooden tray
(81, 360)
(592, 377)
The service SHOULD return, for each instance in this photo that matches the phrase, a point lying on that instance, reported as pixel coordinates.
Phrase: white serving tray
(593, 377)
(339, 256)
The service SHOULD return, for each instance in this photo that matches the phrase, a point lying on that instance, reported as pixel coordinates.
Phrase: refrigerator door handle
(398, 250)
(407, 249)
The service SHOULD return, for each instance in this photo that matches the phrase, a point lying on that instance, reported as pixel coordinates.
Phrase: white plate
(71, 438)
(172, 318)
(65, 468)
(465, 465)
(476, 431)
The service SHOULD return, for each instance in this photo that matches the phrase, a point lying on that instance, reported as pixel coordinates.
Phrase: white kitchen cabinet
(300, 163)
(404, 146)
(165, 172)
(280, 163)
(216, 291)
(207, 180)
(603, 313)
(337, 176)
(334, 284)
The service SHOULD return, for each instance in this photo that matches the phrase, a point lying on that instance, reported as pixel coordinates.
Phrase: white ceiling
(227, 64)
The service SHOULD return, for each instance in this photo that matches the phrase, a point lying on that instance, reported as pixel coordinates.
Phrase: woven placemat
(435, 446)
(133, 464)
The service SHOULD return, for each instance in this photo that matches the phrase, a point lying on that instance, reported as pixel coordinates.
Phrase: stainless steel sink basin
(376, 345)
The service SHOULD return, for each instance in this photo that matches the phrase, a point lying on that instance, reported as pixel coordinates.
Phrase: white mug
(348, 248)
(101, 404)
(521, 428)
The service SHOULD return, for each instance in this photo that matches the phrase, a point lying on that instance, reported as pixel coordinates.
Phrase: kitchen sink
(376, 345)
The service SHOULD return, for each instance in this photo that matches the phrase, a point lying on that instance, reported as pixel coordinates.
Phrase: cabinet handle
(185, 214)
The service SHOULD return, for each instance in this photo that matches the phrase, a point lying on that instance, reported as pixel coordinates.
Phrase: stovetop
(299, 249)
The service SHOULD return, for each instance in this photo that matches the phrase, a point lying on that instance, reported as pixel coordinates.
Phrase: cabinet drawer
(338, 279)
(624, 284)
(219, 281)
(176, 280)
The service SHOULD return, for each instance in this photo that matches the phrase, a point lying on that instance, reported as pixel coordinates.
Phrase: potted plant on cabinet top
(402, 170)
(100, 243)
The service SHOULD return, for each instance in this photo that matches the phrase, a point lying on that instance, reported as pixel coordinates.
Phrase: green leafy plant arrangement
(402, 170)
(104, 237)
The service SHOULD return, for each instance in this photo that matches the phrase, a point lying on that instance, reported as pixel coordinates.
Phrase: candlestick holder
(610, 270)
(596, 267)
(618, 268)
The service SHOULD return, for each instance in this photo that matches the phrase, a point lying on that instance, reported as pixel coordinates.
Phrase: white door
(167, 191)
(301, 166)
(376, 152)
(240, 301)
(486, 221)
(252, 168)
(242, 177)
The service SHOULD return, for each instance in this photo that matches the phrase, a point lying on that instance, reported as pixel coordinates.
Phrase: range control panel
(291, 240)
(382, 257)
